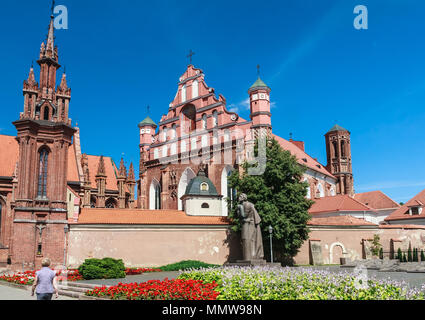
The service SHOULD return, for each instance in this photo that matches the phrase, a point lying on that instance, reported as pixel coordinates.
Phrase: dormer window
(415, 208)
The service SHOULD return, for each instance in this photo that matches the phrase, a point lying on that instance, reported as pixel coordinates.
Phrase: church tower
(338, 151)
(44, 134)
(259, 96)
(147, 130)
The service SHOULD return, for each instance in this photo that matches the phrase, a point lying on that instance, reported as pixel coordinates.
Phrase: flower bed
(134, 271)
(266, 283)
(28, 277)
(177, 289)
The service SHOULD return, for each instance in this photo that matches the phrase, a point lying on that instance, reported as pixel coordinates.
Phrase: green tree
(409, 254)
(404, 257)
(415, 255)
(422, 255)
(376, 246)
(279, 196)
(399, 255)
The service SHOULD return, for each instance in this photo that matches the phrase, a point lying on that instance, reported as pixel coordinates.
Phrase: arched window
(204, 121)
(195, 87)
(335, 146)
(183, 146)
(164, 134)
(155, 195)
(173, 149)
(164, 151)
(183, 93)
(205, 205)
(320, 191)
(227, 192)
(92, 202)
(173, 131)
(343, 149)
(187, 175)
(308, 189)
(46, 113)
(215, 117)
(204, 141)
(110, 203)
(42, 173)
(189, 118)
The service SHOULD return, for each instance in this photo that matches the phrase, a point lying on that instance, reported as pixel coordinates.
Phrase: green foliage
(279, 196)
(399, 255)
(415, 255)
(422, 255)
(404, 257)
(376, 246)
(409, 254)
(381, 253)
(187, 264)
(106, 268)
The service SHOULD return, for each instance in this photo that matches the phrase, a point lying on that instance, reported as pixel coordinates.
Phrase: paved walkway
(10, 293)
(136, 278)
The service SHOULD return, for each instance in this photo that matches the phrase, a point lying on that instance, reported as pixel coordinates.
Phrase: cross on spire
(191, 53)
(53, 6)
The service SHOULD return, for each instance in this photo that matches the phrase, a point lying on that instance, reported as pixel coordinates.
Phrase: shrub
(415, 255)
(409, 254)
(106, 268)
(187, 264)
(381, 253)
(399, 255)
(422, 255)
(404, 257)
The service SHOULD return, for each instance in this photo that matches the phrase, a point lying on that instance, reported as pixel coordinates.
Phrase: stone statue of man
(252, 241)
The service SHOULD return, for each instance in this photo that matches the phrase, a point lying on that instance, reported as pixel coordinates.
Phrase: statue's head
(243, 197)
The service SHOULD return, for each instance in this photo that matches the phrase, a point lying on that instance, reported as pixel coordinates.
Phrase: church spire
(122, 171)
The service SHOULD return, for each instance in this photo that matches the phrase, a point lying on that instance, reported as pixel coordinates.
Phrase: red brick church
(58, 202)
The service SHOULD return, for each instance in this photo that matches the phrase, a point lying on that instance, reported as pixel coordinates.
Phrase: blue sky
(123, 55)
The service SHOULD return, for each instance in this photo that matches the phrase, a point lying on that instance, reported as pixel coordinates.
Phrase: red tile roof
(337, 203)
(376, 200)
(110, 169)
(403, 212)
(401, 226)
(72, 165)
(300, 155)
(148, 217)
(9, 154)
(345, 220)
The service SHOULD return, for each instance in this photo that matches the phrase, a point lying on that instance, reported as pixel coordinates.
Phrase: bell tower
(147, 130)
(338, 151)
(259, 97)
(44, 134)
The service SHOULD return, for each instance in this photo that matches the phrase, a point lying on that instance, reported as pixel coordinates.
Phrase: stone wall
(353, 243)
(152, 246)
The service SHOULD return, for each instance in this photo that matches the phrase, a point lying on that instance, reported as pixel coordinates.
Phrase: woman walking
(45, 282)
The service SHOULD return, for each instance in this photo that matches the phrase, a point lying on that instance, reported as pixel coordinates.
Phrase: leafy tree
(376, 246)
(399, 255)
(279, 196)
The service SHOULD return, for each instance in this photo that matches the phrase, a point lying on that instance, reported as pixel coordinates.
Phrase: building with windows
(58, 202)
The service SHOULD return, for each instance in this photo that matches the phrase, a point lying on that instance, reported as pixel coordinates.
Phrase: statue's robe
(251, 233)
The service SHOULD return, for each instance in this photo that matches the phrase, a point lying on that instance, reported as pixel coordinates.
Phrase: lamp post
(65, 229)
(271, 243)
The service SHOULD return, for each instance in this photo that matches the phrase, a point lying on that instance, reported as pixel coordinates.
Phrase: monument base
(253, 262)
